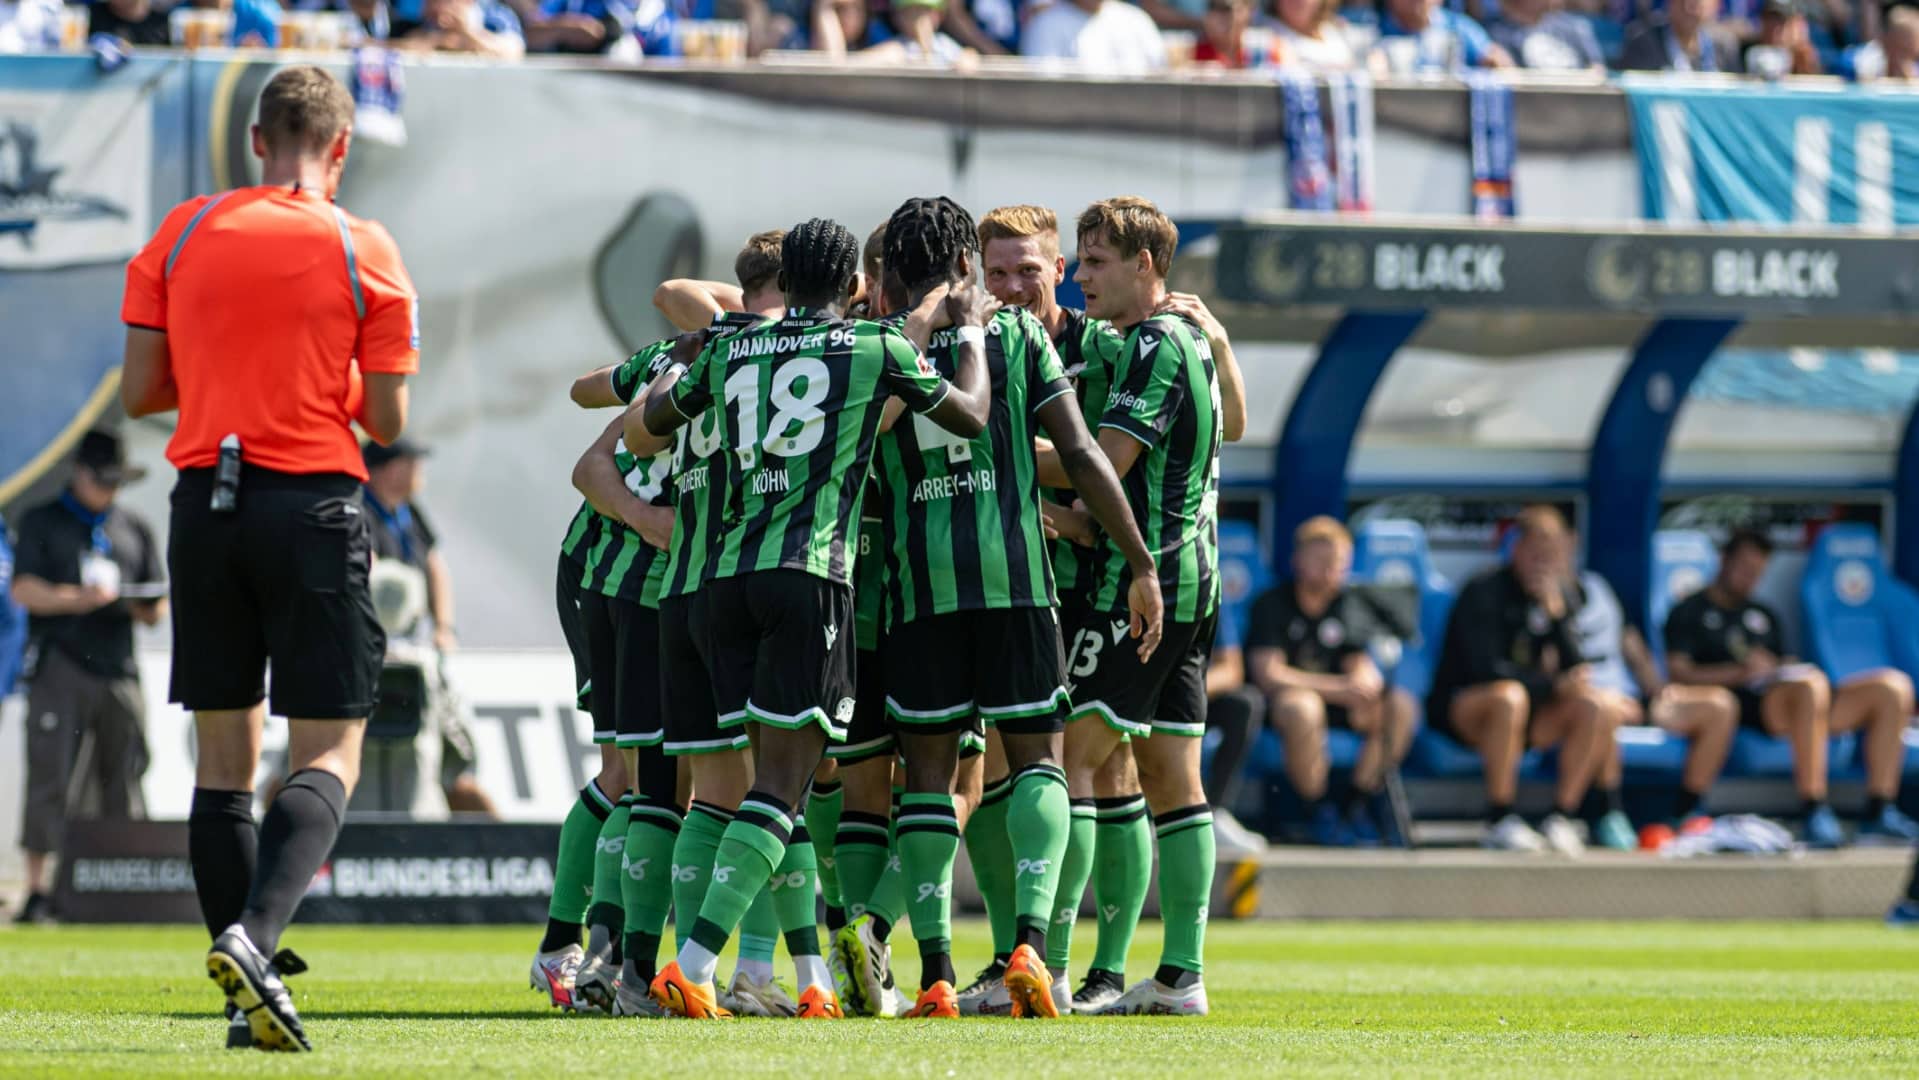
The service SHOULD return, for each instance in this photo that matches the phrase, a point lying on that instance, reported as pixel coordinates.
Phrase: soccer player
(1306, 641)
(1161, 428)
(1510, 674)
(1723, 636)
(717, 761)
(969, 588)
(1023, 267)
(556, 965)
(865, 851)
(800, 402)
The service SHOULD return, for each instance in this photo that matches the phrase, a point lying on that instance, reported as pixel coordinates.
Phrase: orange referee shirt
(269, 298)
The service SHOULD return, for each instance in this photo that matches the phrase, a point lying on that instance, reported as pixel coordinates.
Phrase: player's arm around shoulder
(1232, 386)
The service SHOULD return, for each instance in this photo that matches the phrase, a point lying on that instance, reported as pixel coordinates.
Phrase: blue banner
(1773, 155)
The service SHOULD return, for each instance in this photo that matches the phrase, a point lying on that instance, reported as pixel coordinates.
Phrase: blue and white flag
(1309, 176)
(1778, 156)
(379, 89)
(1315, 178)
(1351, 96)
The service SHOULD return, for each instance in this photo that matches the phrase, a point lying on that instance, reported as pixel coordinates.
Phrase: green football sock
(1185, 885)
(573, 862)
(859, 848)
(693, 863)
(929, 842)
(759, 935)
(753, 845)
(608, 913)
(888, 903)
(794, 899)
(1075, 869)
(1038, 802)
(990, 851)
(1121, 874)
(646, 879)
(823, 806)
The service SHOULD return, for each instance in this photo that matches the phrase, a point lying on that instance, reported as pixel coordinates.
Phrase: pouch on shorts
(328, 530)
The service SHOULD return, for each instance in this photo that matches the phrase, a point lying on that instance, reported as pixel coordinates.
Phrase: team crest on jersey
(1757, 622)
(1331, 633)
(1713, 621)
(1537, 620)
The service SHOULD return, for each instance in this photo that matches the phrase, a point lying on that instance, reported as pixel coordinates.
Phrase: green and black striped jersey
(962, 517)
(684, 566)
(869, 575)
(1165, 393)
(1087, 348)
(621, 563)
(799, 402)
(581, 534)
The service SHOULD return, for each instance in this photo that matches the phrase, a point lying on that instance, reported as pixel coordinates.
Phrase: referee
(271, 320)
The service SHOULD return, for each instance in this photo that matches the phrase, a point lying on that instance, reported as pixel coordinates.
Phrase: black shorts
(280, 580)
(1166, 695)
(567, 601)
(1003, 665)
(1752, 709)
(779, 644)
(623, 647)
(868, 735)
(686, 689)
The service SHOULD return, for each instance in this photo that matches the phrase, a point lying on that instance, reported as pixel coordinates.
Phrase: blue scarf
(102, 544)
(1493, 145)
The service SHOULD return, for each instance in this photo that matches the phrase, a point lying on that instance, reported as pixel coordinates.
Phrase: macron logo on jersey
(1148, 344)
(1120, 626)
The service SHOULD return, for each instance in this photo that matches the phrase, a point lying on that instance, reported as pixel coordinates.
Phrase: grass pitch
(1522, 1000)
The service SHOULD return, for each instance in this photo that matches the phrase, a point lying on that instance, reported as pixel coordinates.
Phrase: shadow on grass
(396, 1014)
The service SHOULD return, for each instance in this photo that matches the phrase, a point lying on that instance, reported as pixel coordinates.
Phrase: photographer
(86, 571)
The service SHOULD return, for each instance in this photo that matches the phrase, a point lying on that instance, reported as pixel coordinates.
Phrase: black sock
(936, 963)
(1176, 977)
(835, 918)
(643, 952)
(1000, 958)
(1912, 883)
(881, 928)
(295, 838)
(223, 844)
(1031, 932)
(1875, 805)
(1685, 804)
(559, 934)
(1497, 811)
(1598, 803)
(1813, 806)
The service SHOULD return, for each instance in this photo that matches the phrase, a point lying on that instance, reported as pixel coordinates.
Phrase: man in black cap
(85, 569)
(406, 559)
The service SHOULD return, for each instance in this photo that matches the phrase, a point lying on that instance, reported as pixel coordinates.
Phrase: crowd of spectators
(1763, 38)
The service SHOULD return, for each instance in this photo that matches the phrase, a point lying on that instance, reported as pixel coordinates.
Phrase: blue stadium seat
(1244, 572)
(1394, 552)
(1651, 755)
(1847, 607)
(1683, 562)
(1902, 604)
